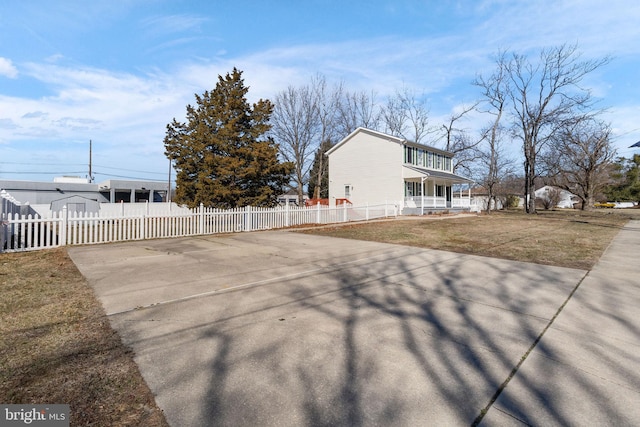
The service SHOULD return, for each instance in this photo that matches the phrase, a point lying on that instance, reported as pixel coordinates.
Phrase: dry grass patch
(565, 238)
(58, 347)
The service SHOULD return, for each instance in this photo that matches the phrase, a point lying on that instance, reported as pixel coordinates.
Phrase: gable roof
(365, 130)
(388, 137)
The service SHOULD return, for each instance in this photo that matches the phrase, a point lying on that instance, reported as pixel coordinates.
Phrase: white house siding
(371, 165)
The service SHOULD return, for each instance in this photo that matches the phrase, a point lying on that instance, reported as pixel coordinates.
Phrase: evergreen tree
(320, 173)
(221, 154)
(627, 176)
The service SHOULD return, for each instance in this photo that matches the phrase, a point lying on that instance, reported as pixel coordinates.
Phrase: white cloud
(172, 23)
(7, 124)
(7, 68)
(55, 58)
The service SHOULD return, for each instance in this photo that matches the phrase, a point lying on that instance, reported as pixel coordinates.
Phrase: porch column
(112, 195)
(435, 199)
(150, 196)
(422, 201)
(133, 196)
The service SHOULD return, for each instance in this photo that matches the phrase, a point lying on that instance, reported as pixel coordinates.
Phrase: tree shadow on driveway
(402, 336)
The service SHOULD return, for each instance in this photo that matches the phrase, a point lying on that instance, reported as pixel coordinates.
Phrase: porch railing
(429, 202)
(437, 202)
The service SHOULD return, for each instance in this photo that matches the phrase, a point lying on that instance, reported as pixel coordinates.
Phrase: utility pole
(90, 171)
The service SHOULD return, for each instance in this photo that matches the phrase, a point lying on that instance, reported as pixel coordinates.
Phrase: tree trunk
(316, 191)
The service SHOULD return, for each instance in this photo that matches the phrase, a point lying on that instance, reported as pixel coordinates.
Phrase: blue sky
(117, 71)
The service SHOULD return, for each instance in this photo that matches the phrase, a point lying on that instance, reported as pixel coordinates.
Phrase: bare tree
(496, 164)
(407, 115)
(354, 110)
(543, 95)
(581, 158)
(303, 118)
(458, 141)
(295, 125)
(551, 198)
(394, 116)
(328, 101)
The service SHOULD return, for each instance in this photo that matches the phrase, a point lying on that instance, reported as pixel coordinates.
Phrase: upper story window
(426, 159)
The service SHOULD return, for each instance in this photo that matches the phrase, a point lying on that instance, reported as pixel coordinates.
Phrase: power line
(74, 164)
(129, 170)
(40, 173)
(41, 164)
(128, 177)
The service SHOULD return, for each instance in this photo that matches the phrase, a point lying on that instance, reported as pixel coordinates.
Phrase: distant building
(565, 199)
(80, 195)
(291, 197)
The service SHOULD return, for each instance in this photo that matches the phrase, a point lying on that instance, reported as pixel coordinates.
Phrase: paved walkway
(287, 329)
(585, 371)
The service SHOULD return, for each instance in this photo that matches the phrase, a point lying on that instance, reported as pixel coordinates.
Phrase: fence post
(318, 213)
(344, 212)
(2, 229)
(287, 213)
(201, 219)
(63, 226)
(247, 221)
(143, 226)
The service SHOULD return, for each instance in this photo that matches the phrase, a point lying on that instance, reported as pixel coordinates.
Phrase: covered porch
(427, 191)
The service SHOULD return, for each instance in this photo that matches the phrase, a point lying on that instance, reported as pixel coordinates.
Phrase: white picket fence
(32, 232)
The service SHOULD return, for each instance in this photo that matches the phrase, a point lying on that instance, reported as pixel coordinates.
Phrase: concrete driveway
(281, 328)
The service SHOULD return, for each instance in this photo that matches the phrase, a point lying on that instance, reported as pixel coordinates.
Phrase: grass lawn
(57, 346)
(566, 238)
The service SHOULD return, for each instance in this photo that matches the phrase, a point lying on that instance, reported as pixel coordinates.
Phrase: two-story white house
(370, 167)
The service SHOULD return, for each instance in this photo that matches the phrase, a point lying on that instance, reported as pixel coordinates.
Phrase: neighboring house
(370, 167)
(566, 199)
(80, 195)
(291, 197)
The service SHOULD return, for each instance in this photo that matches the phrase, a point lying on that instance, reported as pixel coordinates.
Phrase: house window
(412, 189)
(408, 154)
(347, 191)
(408, 189)
(439, 190)
(430, 161)
(447, 164)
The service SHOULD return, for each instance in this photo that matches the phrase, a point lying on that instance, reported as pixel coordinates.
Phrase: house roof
(439, 174)
(365, 130)
(388, 137)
